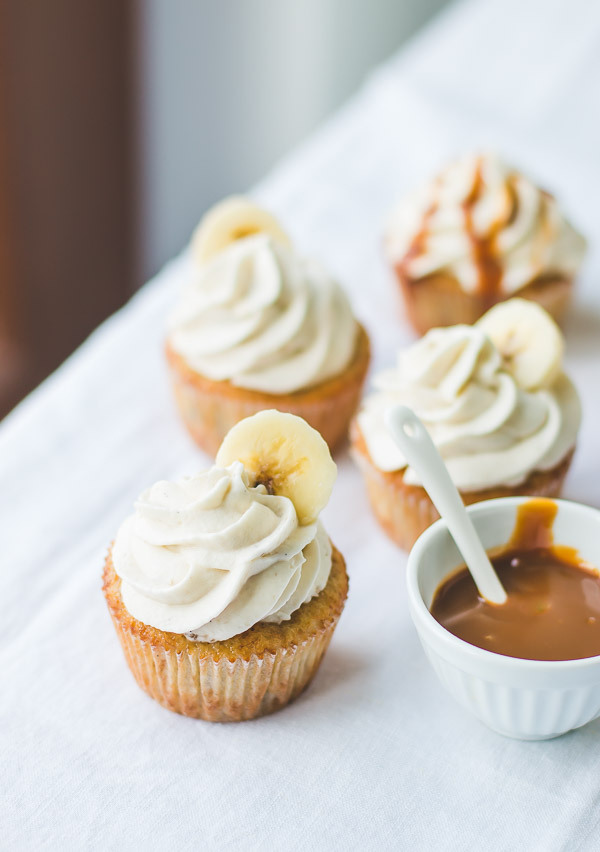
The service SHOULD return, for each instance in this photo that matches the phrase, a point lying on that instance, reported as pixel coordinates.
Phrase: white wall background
(230, 85)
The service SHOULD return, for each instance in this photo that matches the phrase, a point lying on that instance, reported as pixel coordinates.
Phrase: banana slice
(230, 220)
(284, 453)
(528, 339)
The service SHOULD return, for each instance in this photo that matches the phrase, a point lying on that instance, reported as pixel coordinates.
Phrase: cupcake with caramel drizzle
(479, 233)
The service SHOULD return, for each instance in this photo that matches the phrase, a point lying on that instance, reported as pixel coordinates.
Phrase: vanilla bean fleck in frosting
(209, 556)
(489, 430)
(262, 318)
(486, 225)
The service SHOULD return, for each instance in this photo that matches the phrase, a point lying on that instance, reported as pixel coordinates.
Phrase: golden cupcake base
(209, 409)
(405, 511)
(250, 675)
(439, 300)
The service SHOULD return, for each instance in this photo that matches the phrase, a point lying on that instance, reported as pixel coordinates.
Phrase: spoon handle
(421, 453)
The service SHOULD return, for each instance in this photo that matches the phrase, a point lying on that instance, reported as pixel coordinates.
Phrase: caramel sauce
(553, 606)
(418, 245)
(483, 247)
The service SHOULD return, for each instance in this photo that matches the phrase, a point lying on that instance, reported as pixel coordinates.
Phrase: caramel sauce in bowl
(517, 696)
(553, 606)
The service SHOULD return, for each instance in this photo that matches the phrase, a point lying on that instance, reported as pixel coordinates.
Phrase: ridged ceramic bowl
(524, 699)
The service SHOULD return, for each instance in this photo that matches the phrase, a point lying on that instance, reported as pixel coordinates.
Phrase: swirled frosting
(489, 431)
(486, 225)
(263, 318)
(209, 556)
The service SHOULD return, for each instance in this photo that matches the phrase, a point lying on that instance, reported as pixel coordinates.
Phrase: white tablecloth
(374, 755)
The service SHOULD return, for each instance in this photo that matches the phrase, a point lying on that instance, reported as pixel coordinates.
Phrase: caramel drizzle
(534, 525)
(484, 248)
(534, 530)
(418, 245)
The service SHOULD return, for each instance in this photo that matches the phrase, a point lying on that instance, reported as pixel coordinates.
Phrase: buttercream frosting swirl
(209, 556)
(263, 318)
(489, 431)
(486, 225)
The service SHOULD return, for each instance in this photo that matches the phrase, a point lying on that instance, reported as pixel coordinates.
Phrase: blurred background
(121, 121)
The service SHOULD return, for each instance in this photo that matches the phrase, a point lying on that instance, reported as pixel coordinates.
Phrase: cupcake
(223, 587)
(259, 327)
(477, 234)
(496, 403)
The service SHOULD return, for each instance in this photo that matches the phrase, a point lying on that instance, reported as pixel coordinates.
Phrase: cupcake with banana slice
(497, 404)
(224, 587)
(479, 233)
(259, 327)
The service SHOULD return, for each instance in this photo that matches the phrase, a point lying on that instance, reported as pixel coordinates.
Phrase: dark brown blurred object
(67, 179)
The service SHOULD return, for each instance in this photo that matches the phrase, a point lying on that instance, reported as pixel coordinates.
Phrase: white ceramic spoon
(421, 453)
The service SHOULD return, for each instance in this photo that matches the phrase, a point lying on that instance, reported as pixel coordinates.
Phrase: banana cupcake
(477, 234)
(224, 587)
(260, 327)
(497, 404)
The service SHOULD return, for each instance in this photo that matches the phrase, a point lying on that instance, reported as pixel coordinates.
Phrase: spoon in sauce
(420, 452)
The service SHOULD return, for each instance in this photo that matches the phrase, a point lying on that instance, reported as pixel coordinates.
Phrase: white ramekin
(525, 699)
